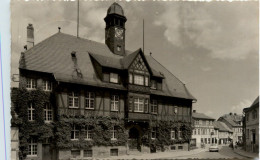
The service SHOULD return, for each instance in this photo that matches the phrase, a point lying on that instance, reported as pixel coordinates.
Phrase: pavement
(161, 155)
(243, 153)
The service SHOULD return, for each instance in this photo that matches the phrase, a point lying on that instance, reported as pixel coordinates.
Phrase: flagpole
(78, 20)
(143, 35)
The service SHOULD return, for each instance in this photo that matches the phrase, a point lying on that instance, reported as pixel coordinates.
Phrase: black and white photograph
(134, 79)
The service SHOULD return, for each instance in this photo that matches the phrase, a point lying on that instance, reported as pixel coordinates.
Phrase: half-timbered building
(81, 98)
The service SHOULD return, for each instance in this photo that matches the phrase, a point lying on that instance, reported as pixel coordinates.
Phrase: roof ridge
(168, 70)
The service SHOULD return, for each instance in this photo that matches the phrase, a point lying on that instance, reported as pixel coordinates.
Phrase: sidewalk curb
(235, 151)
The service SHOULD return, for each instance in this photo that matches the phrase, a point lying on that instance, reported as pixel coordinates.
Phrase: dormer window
(153, 84)
(30, 83)
(139, 79)
(113, 78)
(46, 85)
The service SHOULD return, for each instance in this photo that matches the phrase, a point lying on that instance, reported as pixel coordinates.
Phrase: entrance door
(46, 152)
(133, 141)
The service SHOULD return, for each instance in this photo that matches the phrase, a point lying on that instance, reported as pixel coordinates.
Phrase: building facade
(234, 122)
(251, 127)
(225, 135)
(78, 98)
(204, 131)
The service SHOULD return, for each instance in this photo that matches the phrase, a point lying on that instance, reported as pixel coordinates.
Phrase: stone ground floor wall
(95, 151)
(177, 147)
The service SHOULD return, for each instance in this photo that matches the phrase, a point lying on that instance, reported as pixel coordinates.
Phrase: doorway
(134, 139)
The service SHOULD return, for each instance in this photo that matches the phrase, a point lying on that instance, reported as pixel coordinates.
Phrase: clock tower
(115, 29)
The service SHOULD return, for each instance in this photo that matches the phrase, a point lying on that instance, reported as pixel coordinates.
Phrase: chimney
(30, 36)
(194, 111)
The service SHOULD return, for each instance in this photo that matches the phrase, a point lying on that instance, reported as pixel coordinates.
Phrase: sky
(212, 47)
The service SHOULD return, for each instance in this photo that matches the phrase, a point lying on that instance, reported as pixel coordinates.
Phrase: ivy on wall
(163, 134)
(60, 130)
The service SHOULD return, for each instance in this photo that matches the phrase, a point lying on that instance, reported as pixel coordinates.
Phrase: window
(113, 78)
(113, 152)
(89, 100)
(201, 140)
(31, 112)
(138, 105)
(208, 140)
(88, 153)
(114, 102)
(32, 148)
(73, 100)
(118, 48)
(130, 78)
(87, 132)
(114, 133)
(106, 77)
(130, 106)
(153, 84)
(30, 83)
(153, 133)
(139, 79)
(46, 85)
(180, 147)
(254, 114)
(146, 105)
(172, 134)
(75, 132)
(154, 106)
(47, 112)
(207, 122)
(247, 117)
(146, 81)
(173, 148)
(175, 109)
(180, 134)
(195, 131)
(159, 85)
(198, 131)
(75, 153)
(200, 122)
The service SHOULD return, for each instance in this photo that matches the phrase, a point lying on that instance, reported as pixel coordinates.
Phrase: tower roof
(115, 8)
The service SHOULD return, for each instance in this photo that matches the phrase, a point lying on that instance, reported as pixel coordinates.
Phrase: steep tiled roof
(222, 126)
(201, 116)
(254, 105)
(233, 119)
(53, 55)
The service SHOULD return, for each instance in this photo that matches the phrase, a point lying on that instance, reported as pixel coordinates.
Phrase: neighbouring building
(204, 130)
(224, 133)
(79, 98)
(251, 127)
(234, 122)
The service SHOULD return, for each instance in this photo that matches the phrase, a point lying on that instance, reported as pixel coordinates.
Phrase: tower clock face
(119, 33)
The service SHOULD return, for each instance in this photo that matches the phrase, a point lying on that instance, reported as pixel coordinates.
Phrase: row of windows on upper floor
(204, 131)
(253, 115)
(203, 122)
(133, 78)
(136, 104)
(31, 83)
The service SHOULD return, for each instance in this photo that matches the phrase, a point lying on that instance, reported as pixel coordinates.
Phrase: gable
(138, 65)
